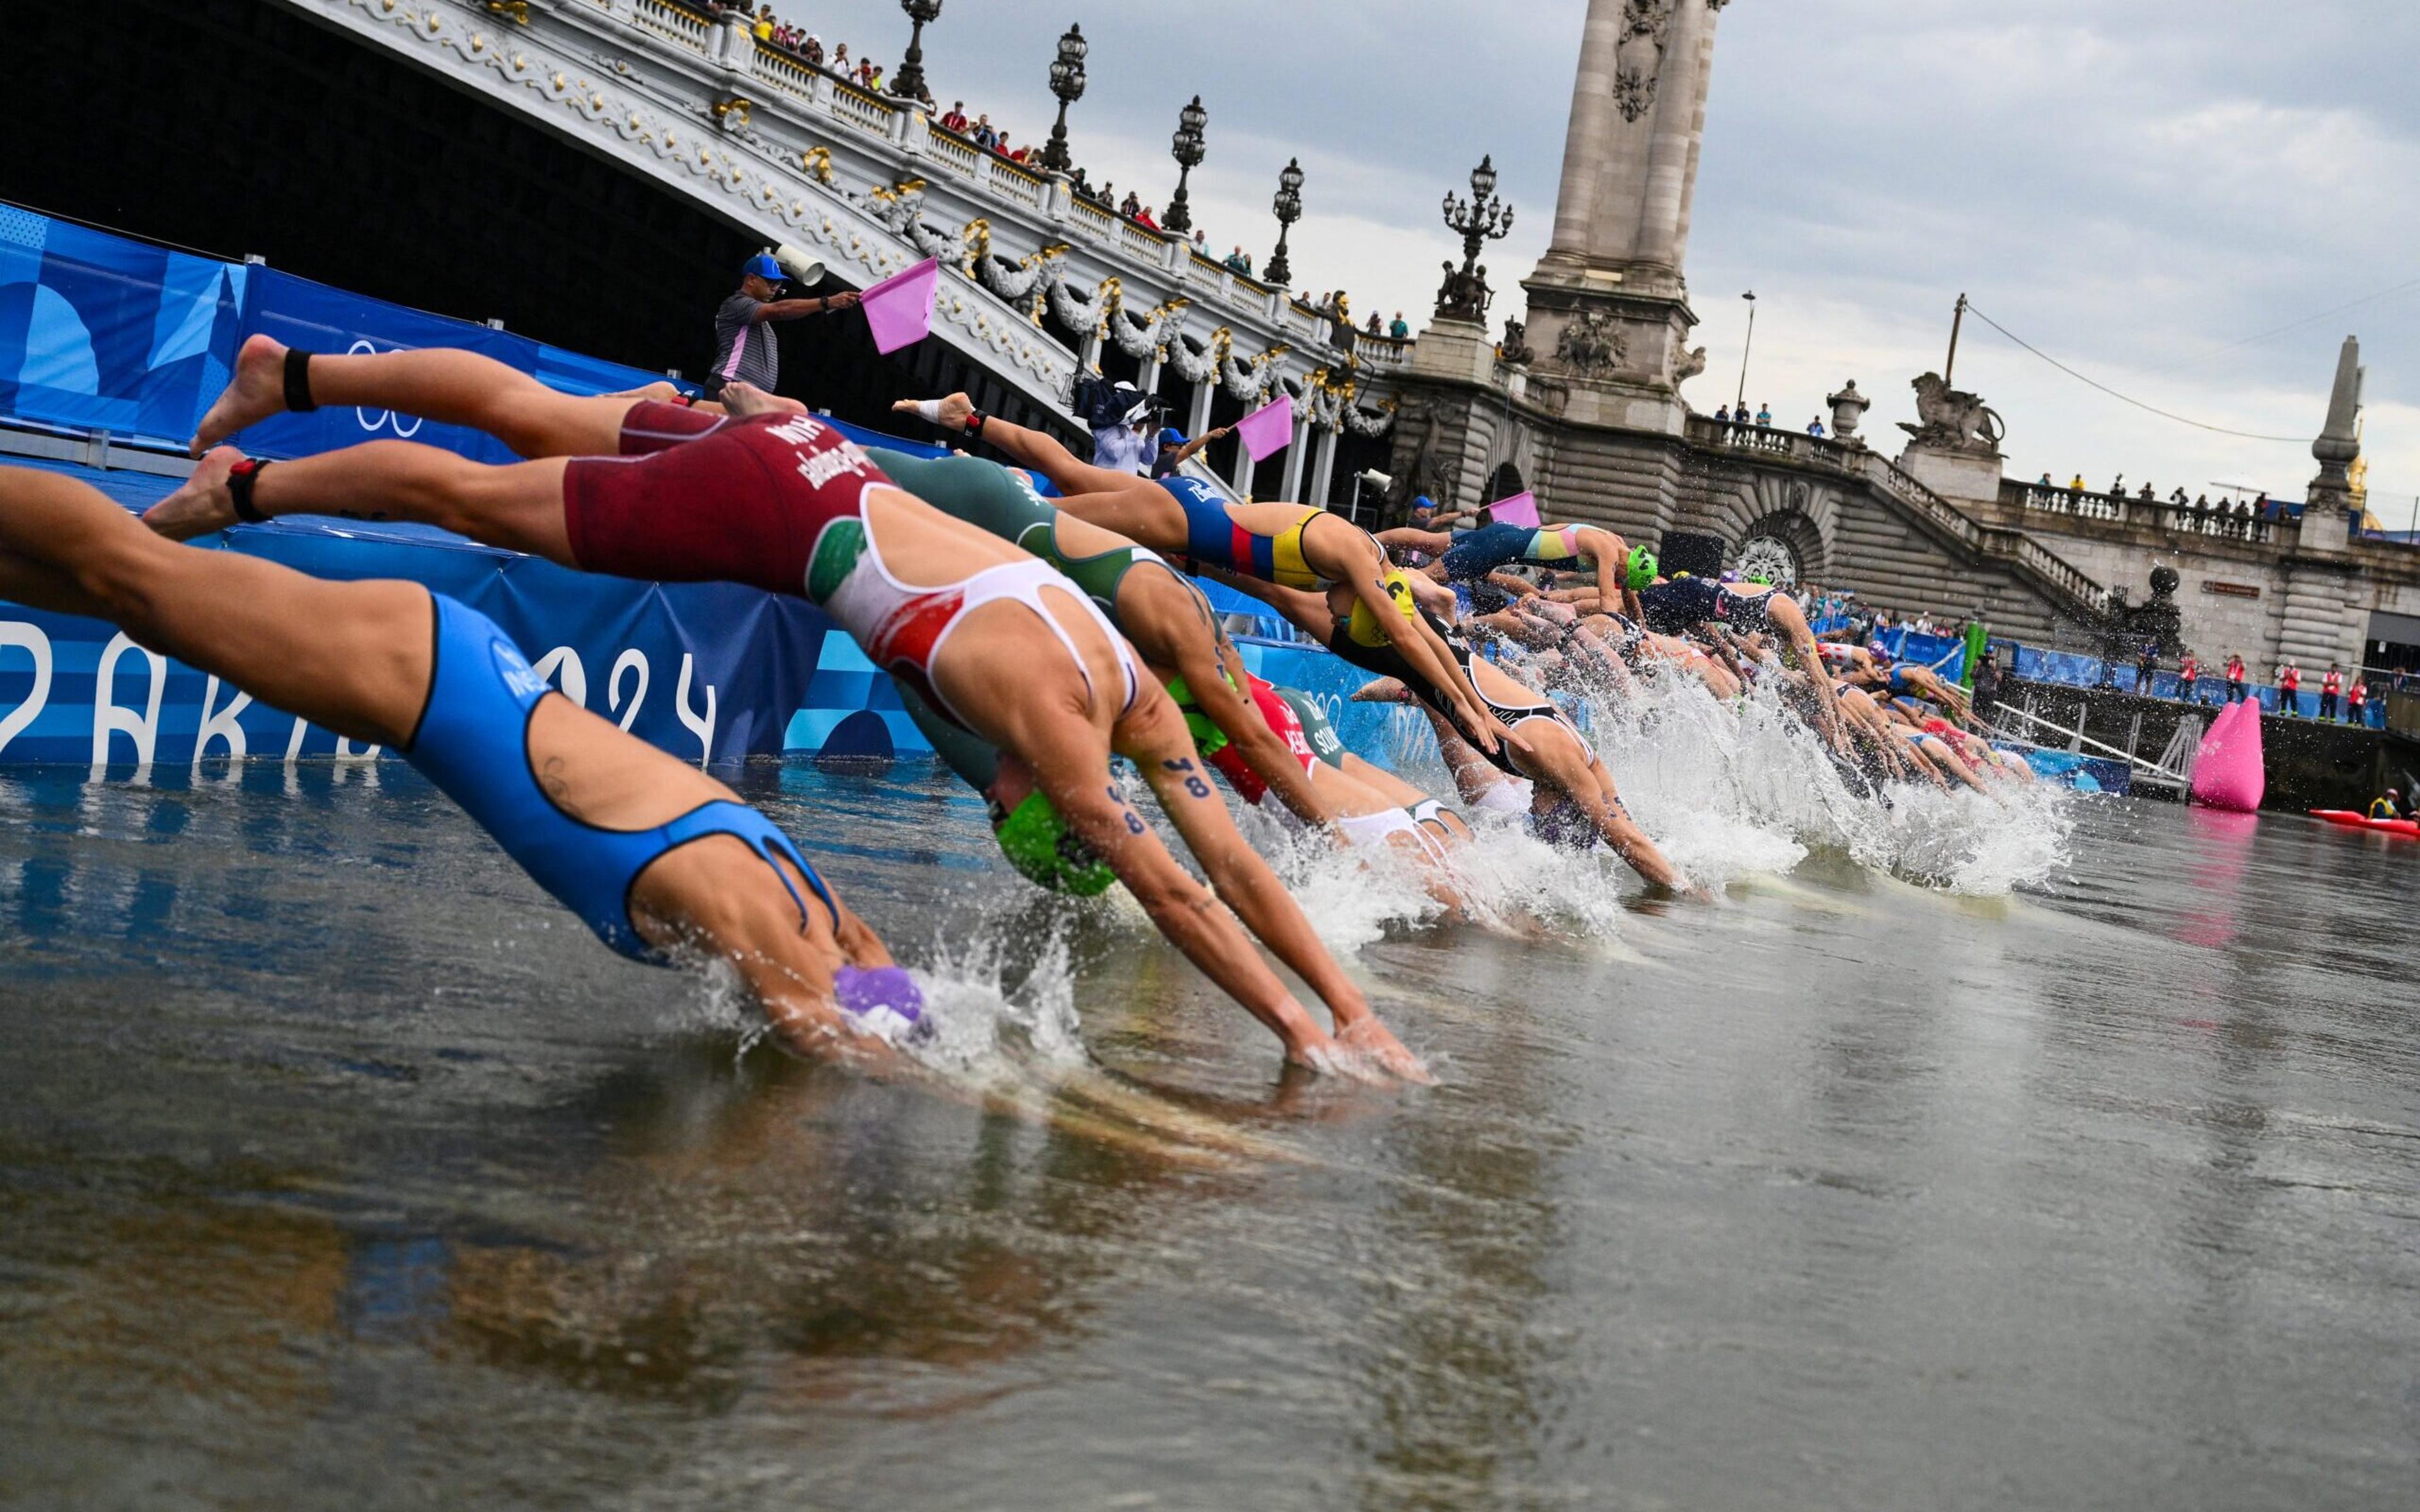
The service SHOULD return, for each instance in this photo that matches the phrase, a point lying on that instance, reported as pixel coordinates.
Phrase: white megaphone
(801, 266)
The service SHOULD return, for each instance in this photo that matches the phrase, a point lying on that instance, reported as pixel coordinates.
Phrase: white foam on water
(1730, 792)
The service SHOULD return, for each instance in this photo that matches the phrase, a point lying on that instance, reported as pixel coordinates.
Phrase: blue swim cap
(763, 267)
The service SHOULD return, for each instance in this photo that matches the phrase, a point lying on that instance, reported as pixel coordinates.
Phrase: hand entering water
(1369, 1040)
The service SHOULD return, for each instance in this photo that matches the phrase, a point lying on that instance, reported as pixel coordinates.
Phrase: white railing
(958, 156)
(687, 27)
(1092, 220)
(793, 79)
(1009, 180)
(866, 112)
(1142, 243)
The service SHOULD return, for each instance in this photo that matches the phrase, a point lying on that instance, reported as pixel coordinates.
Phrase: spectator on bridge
(2075, 485)
(2358, 709)
(2117, 487)
(1764, 415)
(813, 51)
(2235, 690)
(2045, 482)
(1235, 262)
(2244, 520)
(1373, 326)
(1143, 217)
(1722, 414)
(744, 351)
(2289, 688)
(1815, 427)
(2148, 495)
(2189, 678)
(954, 119)
(2179, 496)
(1398, 327)
(2331, 689)
(840, 62)
(1131, 206)
(2146, 666)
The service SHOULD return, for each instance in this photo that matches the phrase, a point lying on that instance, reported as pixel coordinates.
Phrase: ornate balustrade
(761, 137)
(1763, 443)
(2069, 506)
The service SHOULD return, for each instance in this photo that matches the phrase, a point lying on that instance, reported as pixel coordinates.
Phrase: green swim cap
(1642, 567)
(1037, 842)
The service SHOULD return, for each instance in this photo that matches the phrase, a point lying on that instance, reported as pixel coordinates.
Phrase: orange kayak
(2350, 819)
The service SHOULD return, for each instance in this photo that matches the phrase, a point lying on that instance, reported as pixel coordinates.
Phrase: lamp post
(1287, 206)
(908, 83)
(1067, 82)
(1740, 403)
(1466, 295)
(1187, 148)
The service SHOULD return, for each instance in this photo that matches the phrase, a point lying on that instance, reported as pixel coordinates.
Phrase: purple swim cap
(886, 997)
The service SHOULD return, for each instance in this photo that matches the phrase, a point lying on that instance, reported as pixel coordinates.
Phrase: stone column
(1197, 418)
(1296, 455)
(1594, 115)
(1323, 466)
(1677, 110)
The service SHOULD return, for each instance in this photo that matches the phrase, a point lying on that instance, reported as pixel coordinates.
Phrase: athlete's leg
(353, 657)
(1033, 450)
(451, 387)
(518, 506)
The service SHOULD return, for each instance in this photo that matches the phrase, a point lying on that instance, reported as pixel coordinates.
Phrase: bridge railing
(2217, 523)
(1887, 477)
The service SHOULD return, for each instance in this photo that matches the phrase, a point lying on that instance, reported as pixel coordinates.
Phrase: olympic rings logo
(387, 419)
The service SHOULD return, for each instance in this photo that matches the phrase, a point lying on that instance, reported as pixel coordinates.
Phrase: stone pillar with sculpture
(1954, 446)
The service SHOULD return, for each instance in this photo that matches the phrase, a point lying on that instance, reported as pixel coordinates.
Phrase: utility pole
(1741, 403)
(1949, 369)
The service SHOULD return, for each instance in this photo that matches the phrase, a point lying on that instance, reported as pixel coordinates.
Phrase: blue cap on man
(1170, 436)
(763, 266)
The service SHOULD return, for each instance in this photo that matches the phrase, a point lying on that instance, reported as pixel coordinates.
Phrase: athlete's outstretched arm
(448, 386)
(1153, 737)
(1413, 538)
(1263, 750)
(1035, 450)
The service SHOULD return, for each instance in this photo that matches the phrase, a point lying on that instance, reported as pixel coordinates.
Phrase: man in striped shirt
(744, 351)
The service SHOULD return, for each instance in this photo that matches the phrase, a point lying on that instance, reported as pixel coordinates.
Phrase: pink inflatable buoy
(2227, 774)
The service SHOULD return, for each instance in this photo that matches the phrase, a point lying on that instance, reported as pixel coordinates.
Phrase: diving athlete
(992, 639)
(1295, 545)
(650, 853)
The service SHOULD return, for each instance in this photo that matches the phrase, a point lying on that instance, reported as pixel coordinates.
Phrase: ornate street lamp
(1067, 82)
(1466, 295)
(1187, 148)
(908, 83)
(1288, 210)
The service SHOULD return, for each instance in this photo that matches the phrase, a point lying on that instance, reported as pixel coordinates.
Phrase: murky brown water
(338, 1170)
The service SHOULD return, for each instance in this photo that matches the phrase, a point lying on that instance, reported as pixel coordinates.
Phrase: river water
(2059, 1155)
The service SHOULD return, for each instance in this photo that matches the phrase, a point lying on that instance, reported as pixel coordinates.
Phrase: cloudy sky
(2148, 190)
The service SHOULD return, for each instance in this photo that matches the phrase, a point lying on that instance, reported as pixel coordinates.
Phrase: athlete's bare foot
(257, 393)
(744, 399)
(950, 414)
(202, 504)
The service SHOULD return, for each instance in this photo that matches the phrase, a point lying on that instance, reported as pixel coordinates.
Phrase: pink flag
(1521, 509)
(899, 310)
(1268, 429)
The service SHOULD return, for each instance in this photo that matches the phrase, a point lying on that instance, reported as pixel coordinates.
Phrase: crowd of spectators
(864, 73)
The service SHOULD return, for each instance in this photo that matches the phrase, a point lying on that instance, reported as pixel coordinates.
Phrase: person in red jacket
(2234, 678)
(2188, 673)
(2289, 688)
(2331, 689)
(2357, 709)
